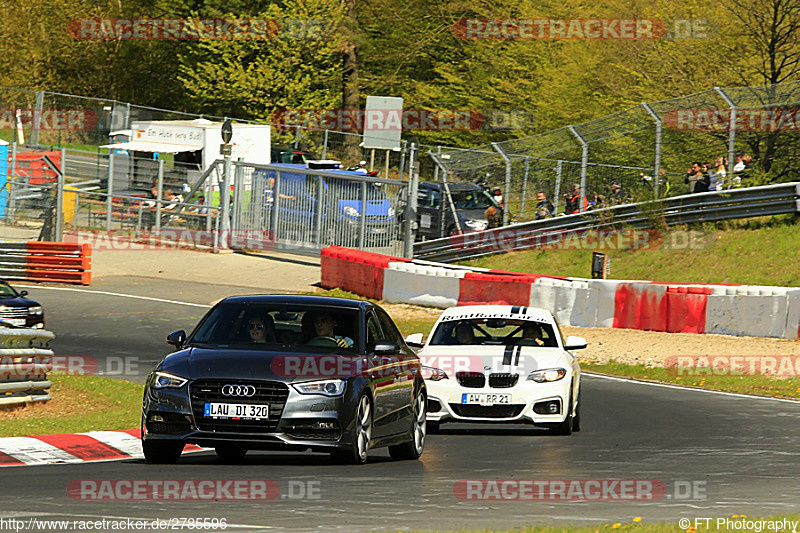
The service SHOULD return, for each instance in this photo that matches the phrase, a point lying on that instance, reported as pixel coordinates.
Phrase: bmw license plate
(486, 399)
(236, 410)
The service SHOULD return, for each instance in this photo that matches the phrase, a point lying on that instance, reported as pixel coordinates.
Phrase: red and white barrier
(646, 305)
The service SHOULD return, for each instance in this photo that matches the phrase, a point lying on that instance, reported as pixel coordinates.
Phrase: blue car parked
(332, 205)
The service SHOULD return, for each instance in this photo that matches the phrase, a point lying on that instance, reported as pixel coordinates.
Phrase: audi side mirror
(386, 348)
(23, 293)
(415, 340)
(176, 338)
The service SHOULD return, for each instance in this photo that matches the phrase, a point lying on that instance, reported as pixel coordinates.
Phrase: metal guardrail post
(436, 168)
(160, 194)
(657, 161)
(402, 159)
(731, 130)
(109, 198)
(238, 195)
(324, 146)
(318, 213)
(448, 197)
(507, 191)
(584, 164)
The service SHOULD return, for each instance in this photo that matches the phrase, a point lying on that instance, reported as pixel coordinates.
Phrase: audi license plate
(236, 410)
(486, 399)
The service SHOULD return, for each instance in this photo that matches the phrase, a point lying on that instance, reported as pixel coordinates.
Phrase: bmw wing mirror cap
(575, 343)
(176, 338)
(386, 348)
(415, 340)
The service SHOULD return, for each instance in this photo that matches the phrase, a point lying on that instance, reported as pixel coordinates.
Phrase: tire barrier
(25, 360)
(646, 305)
(46, 261)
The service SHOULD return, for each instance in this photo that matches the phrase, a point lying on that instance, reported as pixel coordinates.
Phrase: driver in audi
(324, 325)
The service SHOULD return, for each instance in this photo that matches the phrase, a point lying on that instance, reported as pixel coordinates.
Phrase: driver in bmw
(324, 324)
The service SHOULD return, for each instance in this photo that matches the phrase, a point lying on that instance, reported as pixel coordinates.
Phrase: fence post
(657, 162)
(731, 131)
(402, 158)
(110, 187)
(362, 222)
(324, 145)
(525, 185)
(507, 191)
(318, 213)
(411, 206)
(13, 178)
(297, 138)
(584, 164)
(276, 200)
(38, 109)
(59, 233)
(238, 195)
(159, 194)
(557, 193)
(436, 167)
(225, 201)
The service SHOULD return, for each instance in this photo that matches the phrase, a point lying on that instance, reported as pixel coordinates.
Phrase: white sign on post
(383, 122)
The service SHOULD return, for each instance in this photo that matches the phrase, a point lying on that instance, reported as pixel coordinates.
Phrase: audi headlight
(328, 387)
(476, 224)
(164, 380)
(351, 211)
(544, 376)
(433, 374)
(35, 310)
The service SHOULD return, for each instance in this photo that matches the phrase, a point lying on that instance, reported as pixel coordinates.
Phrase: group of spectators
(545, 209)
(705, 177)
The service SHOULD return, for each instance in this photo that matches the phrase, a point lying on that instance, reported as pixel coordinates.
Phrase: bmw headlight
(477, 225)
(164, 380)
(35, 310)
(328, 387)
(544, 376)
(433, 374)
(351, 211)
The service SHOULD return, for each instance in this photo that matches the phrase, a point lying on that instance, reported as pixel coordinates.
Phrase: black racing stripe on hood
(507, 354)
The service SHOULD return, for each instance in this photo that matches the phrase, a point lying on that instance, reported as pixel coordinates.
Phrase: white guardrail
(25, 359)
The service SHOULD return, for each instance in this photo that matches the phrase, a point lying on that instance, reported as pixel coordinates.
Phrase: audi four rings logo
(238, 390)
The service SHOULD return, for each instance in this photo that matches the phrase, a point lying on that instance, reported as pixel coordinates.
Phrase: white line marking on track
(692, 389)
(121, 295)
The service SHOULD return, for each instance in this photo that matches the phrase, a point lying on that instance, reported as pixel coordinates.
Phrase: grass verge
(761, 251)
(702, 378)
(80, 403)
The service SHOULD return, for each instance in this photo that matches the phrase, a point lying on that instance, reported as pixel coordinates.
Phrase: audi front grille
(269, 393)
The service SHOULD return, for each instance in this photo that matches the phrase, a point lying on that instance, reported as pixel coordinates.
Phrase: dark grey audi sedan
(287, 373)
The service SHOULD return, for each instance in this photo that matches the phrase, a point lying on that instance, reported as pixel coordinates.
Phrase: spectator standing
(618, 196)
(716, 175)
(574, 201)
(696, 179)
(544, 207)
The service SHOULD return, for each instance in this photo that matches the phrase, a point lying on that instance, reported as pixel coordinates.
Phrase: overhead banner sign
(383, 120)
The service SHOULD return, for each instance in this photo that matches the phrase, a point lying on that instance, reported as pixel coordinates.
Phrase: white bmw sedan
(501, 363)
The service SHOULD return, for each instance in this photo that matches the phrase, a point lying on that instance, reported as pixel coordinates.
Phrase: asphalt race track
(738, 455)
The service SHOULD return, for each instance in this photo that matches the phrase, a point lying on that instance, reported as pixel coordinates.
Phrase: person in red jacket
(574, 201)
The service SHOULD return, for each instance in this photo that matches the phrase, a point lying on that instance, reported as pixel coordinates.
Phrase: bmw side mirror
(176, 338)
(415, 340)
(575, 343)
(386, 348)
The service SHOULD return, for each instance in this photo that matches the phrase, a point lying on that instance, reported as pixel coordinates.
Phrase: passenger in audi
(261, 329)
